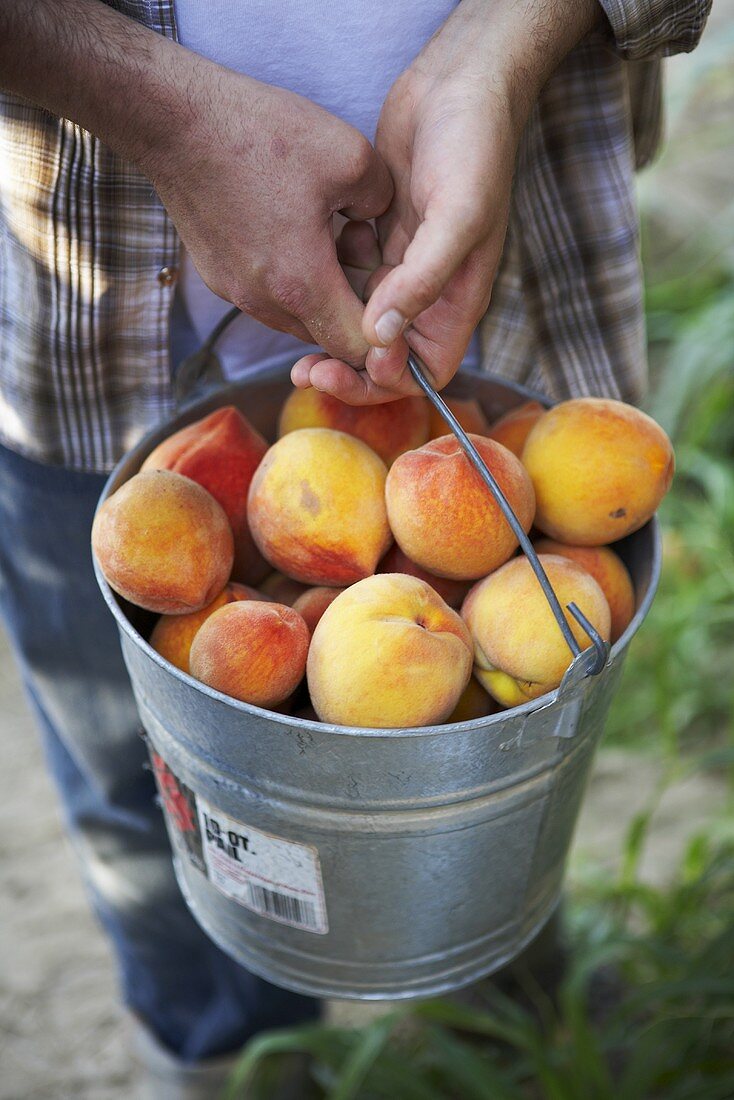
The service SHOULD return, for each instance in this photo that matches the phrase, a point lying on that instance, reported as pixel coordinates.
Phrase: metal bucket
(363, 863)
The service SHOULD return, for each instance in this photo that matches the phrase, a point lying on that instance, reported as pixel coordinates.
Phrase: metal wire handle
(419, 373)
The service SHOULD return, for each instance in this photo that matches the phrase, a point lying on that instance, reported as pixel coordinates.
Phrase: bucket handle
(419, 372)
(202, 370)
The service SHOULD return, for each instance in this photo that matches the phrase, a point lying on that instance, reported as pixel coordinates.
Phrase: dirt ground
(61, 1027)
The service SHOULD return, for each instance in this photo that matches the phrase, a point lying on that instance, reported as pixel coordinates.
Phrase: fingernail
(389, 326)
(380, 353)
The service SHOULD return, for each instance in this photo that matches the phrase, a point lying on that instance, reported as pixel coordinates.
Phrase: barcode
(283, 907)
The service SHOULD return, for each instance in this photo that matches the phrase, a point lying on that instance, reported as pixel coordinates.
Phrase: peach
(282, 589)
(312, 603)
(444, 517)
(221, 452)
(389, 429)
(519, 650)
(255, 652)
(395, 561)
(474, 702)
(388, 653)
(163, 543)
(512, 429)
(467, 411)
(609, 572)
(173, 634)
(599, 467)
(317, 507)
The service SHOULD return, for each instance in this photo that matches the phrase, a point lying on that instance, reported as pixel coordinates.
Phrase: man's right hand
(252, 183)
(251, 174)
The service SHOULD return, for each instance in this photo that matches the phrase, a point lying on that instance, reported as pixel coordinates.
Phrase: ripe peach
(163, 543)
(282, 589)
(173, 634)
(312, 603)
(317, 507)
(221, 452)
(519, 650)
(467, 411)
(388, 653)
(609, 572)
(395, 561)
(389, 429)
(600, 468)
(252, 651)
(512, 429)
(444, 517)
(474, 702)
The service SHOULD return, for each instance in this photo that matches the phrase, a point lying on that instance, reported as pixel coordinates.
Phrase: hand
(252, 184)
(448, 132)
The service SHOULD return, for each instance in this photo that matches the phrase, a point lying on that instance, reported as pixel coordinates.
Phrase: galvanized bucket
(368, 863)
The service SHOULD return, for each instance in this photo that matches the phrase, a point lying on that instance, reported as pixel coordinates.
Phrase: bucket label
(275, 878)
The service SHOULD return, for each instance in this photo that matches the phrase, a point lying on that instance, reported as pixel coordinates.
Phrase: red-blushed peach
(609, 572)
(467, 411)
(220, 452)
(599, 467)
(282, 589)
(444, 517)
(172, 635)
(255, 652)
(388, 652)
(395, 561)
(163, 543)
(519, 650)
(317, 507)
(512, 429)
(474, 702)
(312, 603)
(389, 429)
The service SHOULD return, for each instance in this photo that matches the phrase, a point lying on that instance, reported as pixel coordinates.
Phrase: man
(505, 137)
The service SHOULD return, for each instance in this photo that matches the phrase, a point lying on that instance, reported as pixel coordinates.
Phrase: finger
(374, 281)
(320, 297)
(351, 386)
(301, 369)
(442, 333)
(439, 247)
(356, 246)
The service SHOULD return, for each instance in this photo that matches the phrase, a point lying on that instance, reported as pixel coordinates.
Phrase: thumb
(439, 247)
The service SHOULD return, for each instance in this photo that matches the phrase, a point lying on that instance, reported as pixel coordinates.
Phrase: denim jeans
(194, 998)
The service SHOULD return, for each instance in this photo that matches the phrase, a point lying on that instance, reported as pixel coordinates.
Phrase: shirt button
(167, 276)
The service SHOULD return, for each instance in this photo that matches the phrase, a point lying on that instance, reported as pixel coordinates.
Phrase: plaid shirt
(88, 255)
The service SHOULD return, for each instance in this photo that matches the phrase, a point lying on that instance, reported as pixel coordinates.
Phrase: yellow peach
(389, 429)
(467, 411)
(388, 652)
(173, 634)
(163, 543)
(519, 650)
(312, 603)
(609, 572)
(317, 507)
(513, 429)
(255, 652)
(444, 517)
(221, 452)
(599, 467)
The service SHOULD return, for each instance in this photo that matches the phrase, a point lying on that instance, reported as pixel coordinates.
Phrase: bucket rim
(542, 702)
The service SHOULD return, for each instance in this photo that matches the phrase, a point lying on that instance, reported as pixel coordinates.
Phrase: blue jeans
(196, 1000)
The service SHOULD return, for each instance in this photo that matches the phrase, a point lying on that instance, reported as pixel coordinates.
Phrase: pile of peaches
(362, 552)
